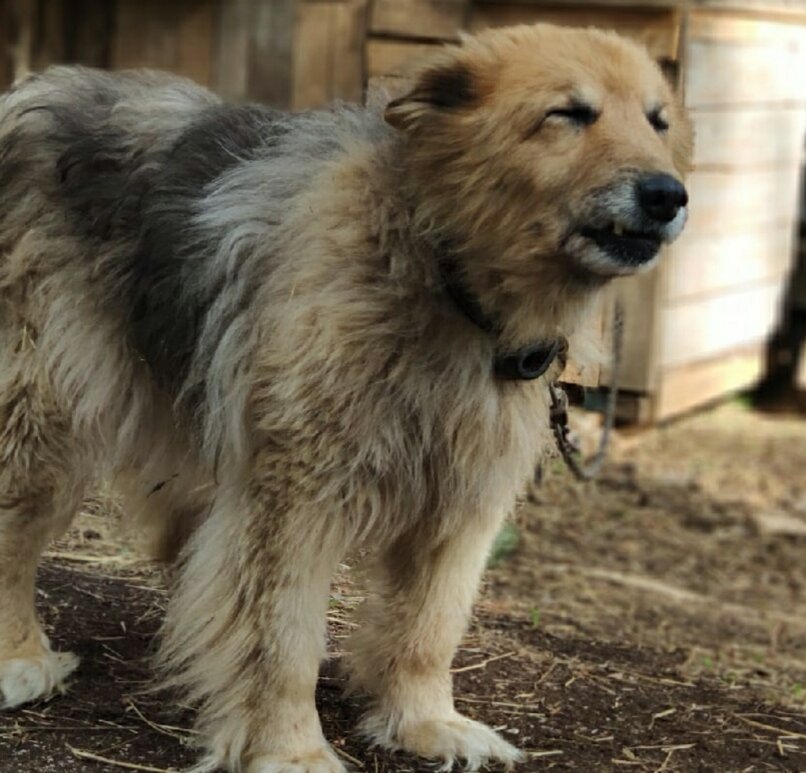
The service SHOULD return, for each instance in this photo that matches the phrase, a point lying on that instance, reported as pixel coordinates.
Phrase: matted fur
(249, 305)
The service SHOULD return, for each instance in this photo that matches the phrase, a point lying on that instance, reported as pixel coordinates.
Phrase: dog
(329, 331)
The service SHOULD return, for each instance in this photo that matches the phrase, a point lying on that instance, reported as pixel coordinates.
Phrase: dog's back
(73, 122)
(112, 165)
(110, 174)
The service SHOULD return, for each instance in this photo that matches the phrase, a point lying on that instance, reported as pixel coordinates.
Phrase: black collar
(524, 364)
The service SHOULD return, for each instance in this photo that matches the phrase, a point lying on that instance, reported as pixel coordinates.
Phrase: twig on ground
(483, 664)
(665, 762)
(87, 558)
(781, 732)
(349, 757)
(178, 733)
(85, 755)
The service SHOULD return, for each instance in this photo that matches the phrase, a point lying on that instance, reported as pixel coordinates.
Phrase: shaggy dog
(335, 330)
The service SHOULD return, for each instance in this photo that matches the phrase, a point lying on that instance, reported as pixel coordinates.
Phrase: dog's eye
(579, 115)
(657, 119)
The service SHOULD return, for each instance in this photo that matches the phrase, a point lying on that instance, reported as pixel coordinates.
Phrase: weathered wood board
(328, 52)
(758, 135)
(743, 62)
(703, 328)
(659, 30)
(396, 57)
(419, 19)
(707, 265)
(175, 36)
(696, 384)
(723, 202)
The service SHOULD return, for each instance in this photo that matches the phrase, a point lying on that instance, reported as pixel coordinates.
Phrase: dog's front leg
(402, 654)
(245, 631)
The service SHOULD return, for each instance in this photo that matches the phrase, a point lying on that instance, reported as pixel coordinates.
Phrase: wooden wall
(288, 53)
(725, 280)
(402, 31)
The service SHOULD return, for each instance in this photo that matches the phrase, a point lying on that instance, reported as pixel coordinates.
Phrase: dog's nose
(661, 196)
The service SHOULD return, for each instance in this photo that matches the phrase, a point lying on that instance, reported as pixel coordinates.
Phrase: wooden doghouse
(696, 327)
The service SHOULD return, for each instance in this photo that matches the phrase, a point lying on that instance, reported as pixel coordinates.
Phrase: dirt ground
(654, 621)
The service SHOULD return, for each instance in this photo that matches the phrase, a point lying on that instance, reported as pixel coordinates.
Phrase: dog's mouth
(630, 249)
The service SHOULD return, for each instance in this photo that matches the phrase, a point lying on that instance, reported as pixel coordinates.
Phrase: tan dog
(337, 330)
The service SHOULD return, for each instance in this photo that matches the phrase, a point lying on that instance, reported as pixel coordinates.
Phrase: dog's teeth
(618, 229)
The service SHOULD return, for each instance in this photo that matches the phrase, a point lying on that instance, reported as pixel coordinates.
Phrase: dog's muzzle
(629, 222)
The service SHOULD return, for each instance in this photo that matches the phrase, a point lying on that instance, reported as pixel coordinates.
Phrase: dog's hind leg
(402, 654)
(245, 629)
(38, 496)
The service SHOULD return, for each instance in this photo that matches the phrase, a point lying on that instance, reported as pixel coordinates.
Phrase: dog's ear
(439, 88)
(671, 71)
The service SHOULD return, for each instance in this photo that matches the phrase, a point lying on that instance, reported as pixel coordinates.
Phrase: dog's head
(545, 153)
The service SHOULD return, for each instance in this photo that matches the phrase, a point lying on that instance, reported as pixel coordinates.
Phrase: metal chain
(588, 469)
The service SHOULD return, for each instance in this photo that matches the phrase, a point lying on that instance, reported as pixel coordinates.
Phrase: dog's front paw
(23, 680)
(451, 740)
(319, 761)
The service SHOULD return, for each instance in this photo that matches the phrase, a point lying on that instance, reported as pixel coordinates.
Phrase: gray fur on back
(179, 204)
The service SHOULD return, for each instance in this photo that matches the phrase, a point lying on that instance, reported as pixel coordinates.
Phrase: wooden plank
(756, 136)
(253, 57)
(231, 59)
(743, 62)
(6, 42)
(658, 30)
(723, 202)
(788, 9)
(705, 264)
(50, 37)
(195, 41)
(270, 52)
(589, 343)
(741, 75)
(137, 43)
(635, 409)
(16, 37)
(692, 386)
(89, 30)
(312, 54)
(705, 328)
(592, 5)
(36, 35)
(800, 376)
(175, 36)
(583, 375)
(436, 19)
(705, 25)
(784, 9)
(349, 66)
(640, 299)
(392, 57)
(328, 52)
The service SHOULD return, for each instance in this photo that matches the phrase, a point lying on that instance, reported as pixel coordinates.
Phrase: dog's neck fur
(551, 312)
(506, 322)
